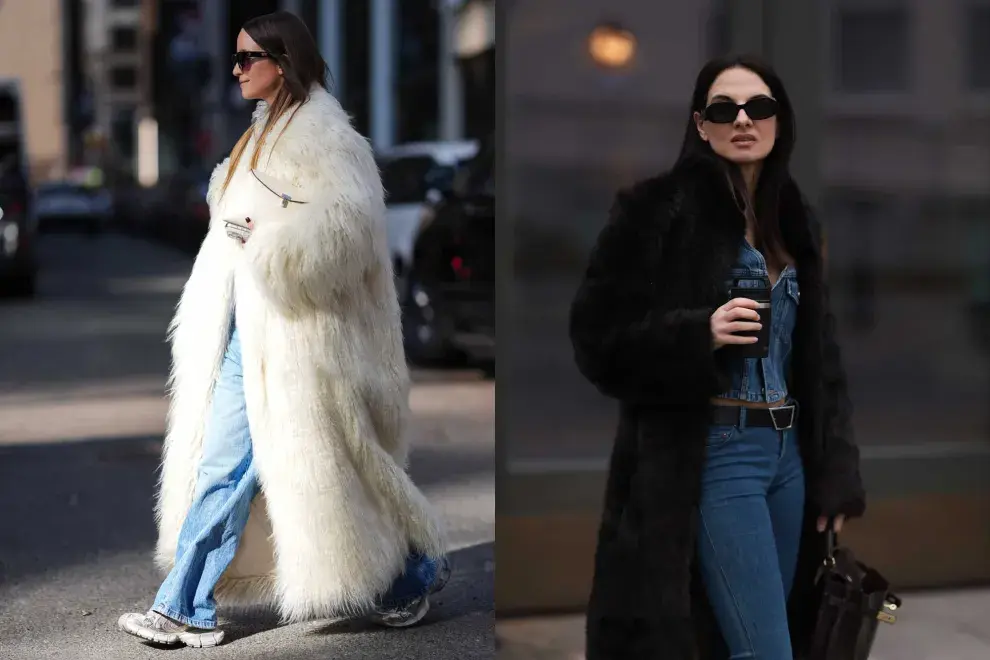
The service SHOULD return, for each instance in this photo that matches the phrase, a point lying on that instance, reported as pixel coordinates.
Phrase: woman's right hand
(737, 315)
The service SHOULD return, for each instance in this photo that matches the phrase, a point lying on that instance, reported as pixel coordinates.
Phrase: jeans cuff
(181, 618)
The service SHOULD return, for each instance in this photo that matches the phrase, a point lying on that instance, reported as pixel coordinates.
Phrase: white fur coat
(325, 378)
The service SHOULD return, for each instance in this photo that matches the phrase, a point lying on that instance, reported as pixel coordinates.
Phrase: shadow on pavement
(70, 503)
(471, 591)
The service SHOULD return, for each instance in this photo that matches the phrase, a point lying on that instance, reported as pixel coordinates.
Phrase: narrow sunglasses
(245, 58)
(725, 112)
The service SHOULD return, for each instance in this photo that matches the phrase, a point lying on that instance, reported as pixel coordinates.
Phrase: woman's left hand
(836, 525)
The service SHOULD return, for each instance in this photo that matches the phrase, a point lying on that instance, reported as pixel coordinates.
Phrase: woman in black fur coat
(726, 469)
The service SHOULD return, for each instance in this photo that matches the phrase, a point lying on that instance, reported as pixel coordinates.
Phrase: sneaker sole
(195, 640)
(202, 640)
(421, 611)
(131, 627)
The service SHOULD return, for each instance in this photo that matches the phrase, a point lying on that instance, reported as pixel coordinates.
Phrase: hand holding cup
(737, 315)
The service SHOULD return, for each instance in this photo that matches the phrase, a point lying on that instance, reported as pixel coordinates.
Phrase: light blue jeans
(750, 517)
(225, 485)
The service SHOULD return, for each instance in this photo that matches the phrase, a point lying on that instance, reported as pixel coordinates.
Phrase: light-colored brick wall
(31, 51)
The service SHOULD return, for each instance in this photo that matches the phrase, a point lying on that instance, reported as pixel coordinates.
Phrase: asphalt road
(82, 372)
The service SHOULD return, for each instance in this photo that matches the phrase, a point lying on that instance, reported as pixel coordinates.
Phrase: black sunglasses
(725, 112)
(244, 58)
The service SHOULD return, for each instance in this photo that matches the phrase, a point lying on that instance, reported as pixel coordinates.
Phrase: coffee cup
(760, 348)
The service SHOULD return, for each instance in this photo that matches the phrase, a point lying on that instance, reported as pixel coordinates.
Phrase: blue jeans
(225, 485)
(750, 517)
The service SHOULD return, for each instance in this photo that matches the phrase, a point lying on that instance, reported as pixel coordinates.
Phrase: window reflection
(905, 198)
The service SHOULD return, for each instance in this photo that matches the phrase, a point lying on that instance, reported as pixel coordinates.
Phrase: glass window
(905, 198)
(8, 107)
(124, 77)
(124, 38)
(978, 47)
(576, 133)
(872, 53)
(719, 37)
(903, 193)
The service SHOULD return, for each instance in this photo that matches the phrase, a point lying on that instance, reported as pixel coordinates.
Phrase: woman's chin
(746, 158)
(248, 93)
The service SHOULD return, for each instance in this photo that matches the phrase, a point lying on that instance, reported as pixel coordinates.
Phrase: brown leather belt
(780, 418)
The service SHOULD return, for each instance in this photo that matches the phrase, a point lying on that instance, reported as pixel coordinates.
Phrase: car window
(407, 179)
(476, 176)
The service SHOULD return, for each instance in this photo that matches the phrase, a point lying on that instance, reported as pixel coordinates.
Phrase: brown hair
(287, 39)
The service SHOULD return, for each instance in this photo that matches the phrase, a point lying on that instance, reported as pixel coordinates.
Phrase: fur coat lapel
(325, 378)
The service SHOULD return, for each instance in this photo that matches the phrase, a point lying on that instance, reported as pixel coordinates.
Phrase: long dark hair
(287, 39)
(775, 170)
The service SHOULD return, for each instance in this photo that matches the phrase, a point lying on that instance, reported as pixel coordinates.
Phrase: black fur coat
(641, 334)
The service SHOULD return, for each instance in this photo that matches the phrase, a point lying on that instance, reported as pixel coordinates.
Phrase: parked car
(18, 257)
(178, 213)
(449, 306)
(66, 206)
(416, 175)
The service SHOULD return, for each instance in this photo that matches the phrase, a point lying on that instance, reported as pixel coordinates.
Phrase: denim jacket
(765, 379)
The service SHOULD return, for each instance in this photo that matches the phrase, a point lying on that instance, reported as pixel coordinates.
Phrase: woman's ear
(698, 122)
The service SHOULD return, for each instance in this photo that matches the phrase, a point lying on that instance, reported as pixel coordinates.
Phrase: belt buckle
(773, 417)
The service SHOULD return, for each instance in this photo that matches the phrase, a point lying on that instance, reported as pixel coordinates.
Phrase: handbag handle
(891, 601)
(831, 541)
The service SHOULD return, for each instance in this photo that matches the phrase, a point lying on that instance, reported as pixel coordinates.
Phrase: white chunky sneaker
(155, 627)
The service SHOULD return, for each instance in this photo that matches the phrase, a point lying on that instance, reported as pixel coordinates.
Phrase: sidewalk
(947, 625)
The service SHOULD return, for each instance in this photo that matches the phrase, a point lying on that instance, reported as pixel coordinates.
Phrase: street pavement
(934, 625)
(82, 372)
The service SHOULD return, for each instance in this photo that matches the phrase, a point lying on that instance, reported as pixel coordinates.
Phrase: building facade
(103, 79)
(31, 51)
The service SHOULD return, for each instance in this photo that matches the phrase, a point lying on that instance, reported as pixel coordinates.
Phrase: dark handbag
(853, 600)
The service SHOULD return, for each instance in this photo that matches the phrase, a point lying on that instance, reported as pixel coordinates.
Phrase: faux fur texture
(641, 334)
(325, 379)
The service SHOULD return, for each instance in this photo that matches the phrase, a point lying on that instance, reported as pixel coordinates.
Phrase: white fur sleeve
(315, 257)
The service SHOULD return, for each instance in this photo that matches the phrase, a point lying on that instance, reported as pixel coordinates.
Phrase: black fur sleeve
(840, 486)
(627, 342)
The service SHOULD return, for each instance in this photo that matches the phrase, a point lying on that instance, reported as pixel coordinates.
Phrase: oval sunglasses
(245, 58)
(725, 112)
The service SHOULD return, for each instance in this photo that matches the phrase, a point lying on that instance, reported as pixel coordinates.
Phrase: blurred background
(113, 114)
(892, 100)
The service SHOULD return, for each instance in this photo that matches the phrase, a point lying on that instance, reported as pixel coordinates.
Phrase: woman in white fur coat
(283, 480)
